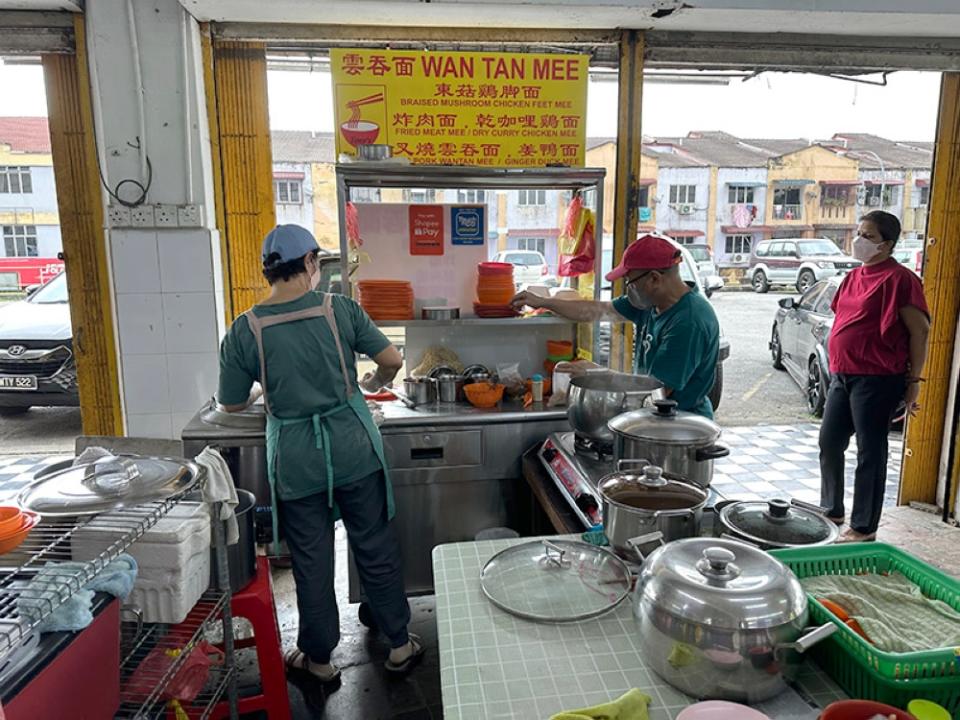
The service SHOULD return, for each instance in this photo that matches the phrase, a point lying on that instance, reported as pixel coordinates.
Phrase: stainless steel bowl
(597, 397)
(440, 313)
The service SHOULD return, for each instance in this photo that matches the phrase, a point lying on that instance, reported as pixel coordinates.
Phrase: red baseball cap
(648, 252)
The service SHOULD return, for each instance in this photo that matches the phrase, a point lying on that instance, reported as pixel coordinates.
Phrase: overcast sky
(774, 105)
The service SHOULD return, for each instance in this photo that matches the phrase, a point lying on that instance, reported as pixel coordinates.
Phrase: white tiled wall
(168, 325)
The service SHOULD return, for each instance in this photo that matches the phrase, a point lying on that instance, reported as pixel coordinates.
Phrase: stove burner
(591, 448)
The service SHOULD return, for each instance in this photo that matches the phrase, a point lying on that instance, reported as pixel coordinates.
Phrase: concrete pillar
(166, 281)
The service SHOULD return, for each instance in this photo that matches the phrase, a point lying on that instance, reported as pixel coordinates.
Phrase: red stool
(255, 603)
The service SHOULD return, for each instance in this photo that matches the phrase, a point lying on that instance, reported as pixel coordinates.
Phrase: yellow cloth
(632, 705)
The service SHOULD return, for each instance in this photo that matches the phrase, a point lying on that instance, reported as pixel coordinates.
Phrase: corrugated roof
(894, 154)
(25, 134)
(302, 146)
(722, 149)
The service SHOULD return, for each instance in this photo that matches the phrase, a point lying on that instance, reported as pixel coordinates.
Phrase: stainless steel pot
(450, 388)
(683, 444)
(241, 557)
(440, 313)
(375, 152)
(719, 619)
(776, 523)
(420, 391)
(599, 396)
(644, 501)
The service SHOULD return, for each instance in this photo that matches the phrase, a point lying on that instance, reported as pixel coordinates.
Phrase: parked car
(689, 273)
(909, 253)
(37, 365)
(707, 268)
(798, 262)
(529, 266)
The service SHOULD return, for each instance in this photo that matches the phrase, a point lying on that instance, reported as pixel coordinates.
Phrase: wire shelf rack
(158, 660)
(41, 574)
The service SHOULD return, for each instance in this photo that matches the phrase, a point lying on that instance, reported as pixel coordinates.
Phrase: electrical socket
(165, 215)
(190, 216)
(118, 216)
(142, 216)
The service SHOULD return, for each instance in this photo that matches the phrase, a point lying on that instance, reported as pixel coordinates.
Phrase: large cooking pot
(242, 556)
(776, 523)
(640, 502)
(683, 444)
(722, 620)
(599, 396)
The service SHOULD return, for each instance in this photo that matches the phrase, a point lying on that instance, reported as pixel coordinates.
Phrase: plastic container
(861, 669)
(536, 388)
(173, 558)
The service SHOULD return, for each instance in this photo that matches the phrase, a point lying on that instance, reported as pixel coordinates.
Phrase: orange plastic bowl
(12, 541)
(861, 710)
(483, 395)
(11, 519)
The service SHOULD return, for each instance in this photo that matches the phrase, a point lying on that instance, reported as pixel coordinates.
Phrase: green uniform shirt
(303, 378)
(679, 347)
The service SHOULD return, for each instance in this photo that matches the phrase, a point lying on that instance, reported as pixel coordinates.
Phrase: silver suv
(799, 262)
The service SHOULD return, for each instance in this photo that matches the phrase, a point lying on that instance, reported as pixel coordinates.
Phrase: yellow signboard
(463, 108)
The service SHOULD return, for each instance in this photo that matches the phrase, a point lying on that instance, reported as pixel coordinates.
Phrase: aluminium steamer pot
(600, 395)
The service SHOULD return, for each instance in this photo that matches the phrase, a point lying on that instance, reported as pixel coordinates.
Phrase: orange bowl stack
(495, 290)
(386, 299)
(483, 394)
(15, 525)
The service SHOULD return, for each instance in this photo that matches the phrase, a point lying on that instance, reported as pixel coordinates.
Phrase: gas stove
(577, 465)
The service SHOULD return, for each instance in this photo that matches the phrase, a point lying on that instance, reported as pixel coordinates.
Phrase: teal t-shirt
(679, 347)
(303, 378)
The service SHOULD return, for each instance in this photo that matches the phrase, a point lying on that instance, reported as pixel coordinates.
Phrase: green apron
(354, 402)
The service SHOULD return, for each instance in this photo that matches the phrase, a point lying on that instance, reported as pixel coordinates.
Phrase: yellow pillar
(84, 246)
(629, 147)
(501, 221)
(941, 280)
(712, 207)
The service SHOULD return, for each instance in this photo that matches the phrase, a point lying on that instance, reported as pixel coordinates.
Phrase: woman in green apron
(324, 452)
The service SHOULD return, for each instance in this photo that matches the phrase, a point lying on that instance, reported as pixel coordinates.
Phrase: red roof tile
(25, 134)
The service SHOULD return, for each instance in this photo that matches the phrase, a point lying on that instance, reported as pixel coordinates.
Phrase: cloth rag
(92, 454)
(377, 411)
(632, 705)
(54, 580)
(219, 488)
(892, 611)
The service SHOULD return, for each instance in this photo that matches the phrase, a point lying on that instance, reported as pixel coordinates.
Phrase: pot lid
(252, 418)
(648, 490)
(555, 580)
(778, 522)
(663, 423)
(108, 483)
(721, 583)
(616, 382)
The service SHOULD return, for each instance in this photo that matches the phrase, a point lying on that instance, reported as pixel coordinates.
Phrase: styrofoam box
(173, 558)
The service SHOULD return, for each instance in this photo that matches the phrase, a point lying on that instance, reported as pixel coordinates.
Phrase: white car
(529, 266)
(706, 267)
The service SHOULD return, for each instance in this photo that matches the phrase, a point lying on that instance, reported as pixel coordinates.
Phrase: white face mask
(638, 298)
(864, 250)
(315, 276)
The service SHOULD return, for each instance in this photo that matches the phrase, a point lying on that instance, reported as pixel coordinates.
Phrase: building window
(419, 196)
(15, 180)
(740, 195)
(835, 195)
(643, 197)
(737, 244)
(923, 196)
(683, 194)
(20, 240)
(287, 192)
(537, 244)
(871, 197)
(365, 194)
(786, 203)
(471, 197)
(531, 197)
(684, 239)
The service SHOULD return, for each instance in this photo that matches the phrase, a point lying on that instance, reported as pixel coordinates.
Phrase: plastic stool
(255, 603)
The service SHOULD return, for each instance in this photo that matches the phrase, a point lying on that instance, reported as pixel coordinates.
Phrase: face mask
(314, 278)
(864, 250)
(638, 298)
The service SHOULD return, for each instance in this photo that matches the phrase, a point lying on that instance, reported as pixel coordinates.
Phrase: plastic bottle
(536, 388)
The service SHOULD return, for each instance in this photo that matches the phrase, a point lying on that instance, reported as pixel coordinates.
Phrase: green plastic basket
(861, 669)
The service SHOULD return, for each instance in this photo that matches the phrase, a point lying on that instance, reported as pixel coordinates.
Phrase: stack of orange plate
(386, 299)
(15, 525)
(495, 289)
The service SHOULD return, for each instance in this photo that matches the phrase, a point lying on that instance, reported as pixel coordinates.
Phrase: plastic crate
(861, 669)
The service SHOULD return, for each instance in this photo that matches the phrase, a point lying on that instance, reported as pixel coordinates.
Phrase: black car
(36, 351)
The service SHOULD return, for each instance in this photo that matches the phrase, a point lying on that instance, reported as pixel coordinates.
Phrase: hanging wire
(143, 188)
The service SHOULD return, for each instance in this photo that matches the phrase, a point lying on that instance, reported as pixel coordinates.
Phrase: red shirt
(868, 336)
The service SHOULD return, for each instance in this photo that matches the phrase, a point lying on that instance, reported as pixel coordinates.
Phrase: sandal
(851, 536)
(296, 659)
(414, 657)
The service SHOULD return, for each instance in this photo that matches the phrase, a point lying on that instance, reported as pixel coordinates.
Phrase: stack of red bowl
(386, 299)
(495, 290)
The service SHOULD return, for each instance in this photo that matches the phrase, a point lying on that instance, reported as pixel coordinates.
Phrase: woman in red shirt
(877, 348)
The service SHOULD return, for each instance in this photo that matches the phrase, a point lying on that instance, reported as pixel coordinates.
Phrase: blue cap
(289, 242)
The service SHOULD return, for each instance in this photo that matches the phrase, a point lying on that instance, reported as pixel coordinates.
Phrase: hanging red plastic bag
(353, 227)
(581, 260)
(188, 681)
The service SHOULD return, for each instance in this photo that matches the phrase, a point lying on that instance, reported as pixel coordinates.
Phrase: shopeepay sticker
(426, 230)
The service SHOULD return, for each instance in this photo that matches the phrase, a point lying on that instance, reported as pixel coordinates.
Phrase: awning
(793, 183)
(288, 176)
(647, 181)
(834, 226)
(840, 183)
(790, 231)
(685, 233)
(922, 182)
(885, 182)
(741, 183)
(646, 228)
(735, 230)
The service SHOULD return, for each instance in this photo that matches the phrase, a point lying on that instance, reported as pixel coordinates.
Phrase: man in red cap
(677, 333)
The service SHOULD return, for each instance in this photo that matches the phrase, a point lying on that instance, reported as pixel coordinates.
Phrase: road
(753, 392)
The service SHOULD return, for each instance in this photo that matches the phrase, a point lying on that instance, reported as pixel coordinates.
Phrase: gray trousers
(307, 525)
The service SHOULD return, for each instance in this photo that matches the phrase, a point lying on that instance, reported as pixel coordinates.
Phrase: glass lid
(108, 483)
(778, 522)
(555, 580)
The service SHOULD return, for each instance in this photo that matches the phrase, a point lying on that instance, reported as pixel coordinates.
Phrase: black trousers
(861, 404)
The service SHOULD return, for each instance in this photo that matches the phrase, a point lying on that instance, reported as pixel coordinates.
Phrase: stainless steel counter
(396, 414)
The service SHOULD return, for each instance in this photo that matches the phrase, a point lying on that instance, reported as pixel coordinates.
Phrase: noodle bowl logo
(359, 132)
